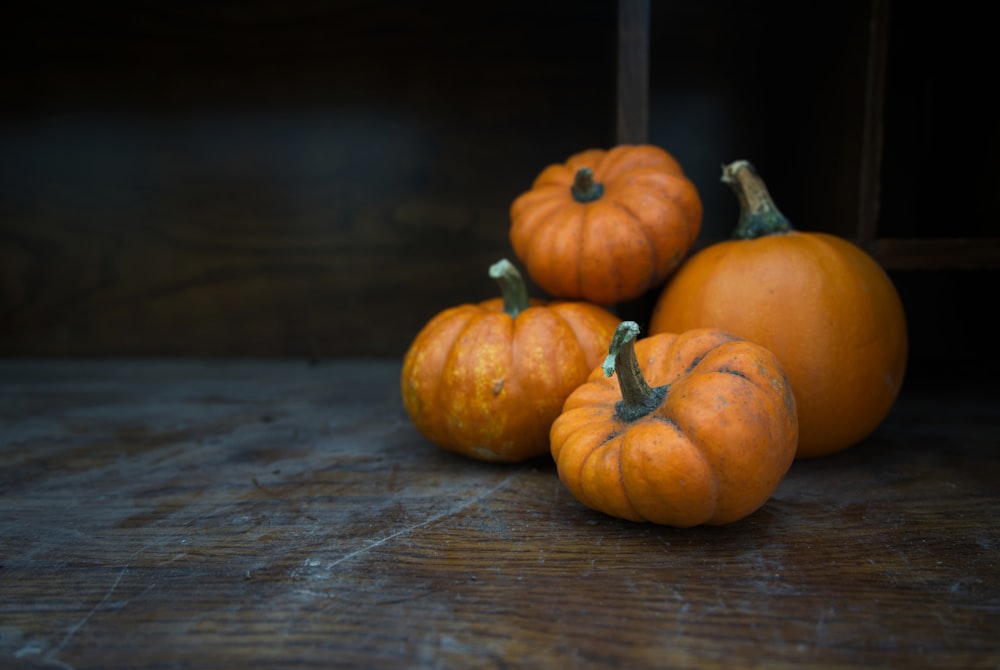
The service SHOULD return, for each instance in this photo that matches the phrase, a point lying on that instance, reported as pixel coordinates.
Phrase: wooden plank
(159, 513)
(869, 175)
(287, 180)
(938, 254)
(633, 72)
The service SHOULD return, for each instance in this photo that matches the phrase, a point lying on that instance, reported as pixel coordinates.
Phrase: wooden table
(282, 514)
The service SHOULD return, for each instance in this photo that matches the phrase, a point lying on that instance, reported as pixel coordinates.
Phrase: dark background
(319, 178)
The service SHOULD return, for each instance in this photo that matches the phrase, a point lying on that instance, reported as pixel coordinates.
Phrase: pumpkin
(694, 428)
(486, 380)
(820, 303)
(605, 226)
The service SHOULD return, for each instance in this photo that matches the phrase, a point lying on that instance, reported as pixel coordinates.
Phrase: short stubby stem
(512, 287)
(584, 188)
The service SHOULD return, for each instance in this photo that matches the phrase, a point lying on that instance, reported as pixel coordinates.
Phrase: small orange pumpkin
(820, 303)
(696, 428)
(605, 226)
(486, 380)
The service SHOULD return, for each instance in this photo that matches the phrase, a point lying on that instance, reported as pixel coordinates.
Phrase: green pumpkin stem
(584, 187)
(512, 287)
(758, 214)
(638, 397)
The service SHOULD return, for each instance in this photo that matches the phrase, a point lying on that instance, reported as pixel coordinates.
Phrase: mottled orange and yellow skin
(822, 305)
(613, 248)
(482, 383)
(711, 452)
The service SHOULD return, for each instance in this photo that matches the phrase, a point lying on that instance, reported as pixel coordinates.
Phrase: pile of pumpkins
(773, 345)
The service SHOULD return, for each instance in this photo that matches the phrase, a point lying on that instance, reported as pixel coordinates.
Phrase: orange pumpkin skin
(613, 243)
(822, 305)
(710, 451)
(481, 382)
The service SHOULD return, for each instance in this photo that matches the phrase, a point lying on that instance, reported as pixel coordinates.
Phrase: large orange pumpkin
(820, 303)
(695, 428)
(605, 226)
(486, 380)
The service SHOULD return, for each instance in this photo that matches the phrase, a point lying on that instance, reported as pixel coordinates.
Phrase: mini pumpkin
(820, 303)
(605, 226)
(486, 380)
(682, 430)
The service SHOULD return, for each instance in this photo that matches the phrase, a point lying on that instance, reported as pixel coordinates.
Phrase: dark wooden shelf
(937, 254)
(195, 514)
(321, 179)
(632, 113)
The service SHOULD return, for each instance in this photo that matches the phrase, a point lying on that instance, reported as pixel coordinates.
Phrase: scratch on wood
(437, 517)
(50, 656)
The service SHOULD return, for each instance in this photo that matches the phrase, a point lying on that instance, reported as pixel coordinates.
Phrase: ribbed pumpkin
(820, 303)
(486, 380)
(605, 226)
(695, 428)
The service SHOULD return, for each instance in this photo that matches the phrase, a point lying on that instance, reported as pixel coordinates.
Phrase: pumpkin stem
(584, 187)
(758, 214)
(512, 288)
(638, 397)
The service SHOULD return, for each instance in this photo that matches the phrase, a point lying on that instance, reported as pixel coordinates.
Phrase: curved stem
(512, 288)
(584, 187)
(758, 214)
(638, 397)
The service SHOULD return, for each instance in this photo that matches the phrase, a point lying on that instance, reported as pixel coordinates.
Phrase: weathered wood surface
(168, 514)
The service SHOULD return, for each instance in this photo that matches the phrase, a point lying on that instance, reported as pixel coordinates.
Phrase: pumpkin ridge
(680, 206)
(562, 223)
(558, 375)
(611, 436)
(667, 419)
(681, 447)
(524, 375)
(568, 324)
(415, 361)
(627, 157)
(527, 228)
(608, 165)
(734, 372)
(635, 221)
(623, 483)
(695, 362)
(581, 245)
(615, 240)
(670, 189)
(594, 452)
(453, 352)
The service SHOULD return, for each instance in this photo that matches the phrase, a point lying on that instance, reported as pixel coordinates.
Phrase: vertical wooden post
(870, 172)
(633, 72)
(632, 117)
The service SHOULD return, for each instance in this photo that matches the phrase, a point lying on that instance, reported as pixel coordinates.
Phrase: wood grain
(632, 109)
(319, 179)
(315, 180)
(204, 514)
